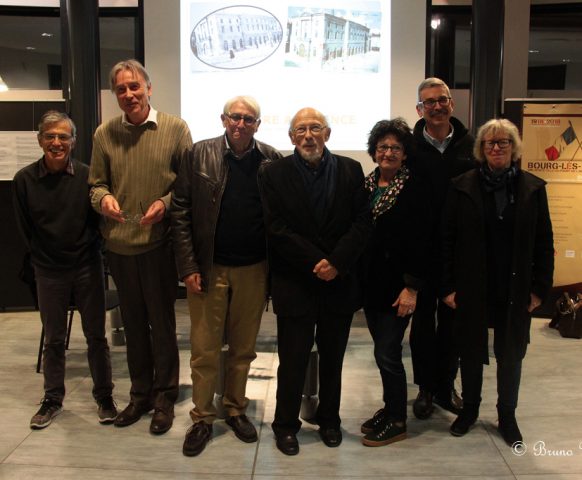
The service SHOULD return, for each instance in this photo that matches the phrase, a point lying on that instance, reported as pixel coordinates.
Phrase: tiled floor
(76, 446)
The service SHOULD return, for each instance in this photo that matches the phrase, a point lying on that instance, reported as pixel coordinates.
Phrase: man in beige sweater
(133, 167)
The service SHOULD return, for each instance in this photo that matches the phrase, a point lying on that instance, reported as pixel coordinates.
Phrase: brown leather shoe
(161, 422)
(196, 439)
(451, 401)
(422, 406)
(131, 414)
(242, 428)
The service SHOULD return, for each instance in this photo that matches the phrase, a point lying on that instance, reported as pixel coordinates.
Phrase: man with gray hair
(443, 150)
(318, 223)
(60, 230)
(133, 167)
(220, 245)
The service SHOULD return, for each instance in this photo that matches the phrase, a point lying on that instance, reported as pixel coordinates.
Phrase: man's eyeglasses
(384, 148)
(443, 101)
(235, 118)
(51, 137)
(314, 129)
(502, 143)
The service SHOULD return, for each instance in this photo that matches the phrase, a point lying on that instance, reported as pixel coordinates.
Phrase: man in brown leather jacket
(220, 246)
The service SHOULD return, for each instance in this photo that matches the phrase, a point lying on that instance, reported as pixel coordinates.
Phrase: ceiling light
(31, 48)
(46, 34)
(533, 51)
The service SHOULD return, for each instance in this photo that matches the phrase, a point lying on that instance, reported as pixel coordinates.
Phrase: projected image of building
(236, 37)
(330, 42)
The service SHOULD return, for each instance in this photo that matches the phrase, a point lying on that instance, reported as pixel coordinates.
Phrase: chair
(111, 302)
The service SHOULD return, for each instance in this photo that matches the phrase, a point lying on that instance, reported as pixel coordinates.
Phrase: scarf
(387, 198)
(501, 183)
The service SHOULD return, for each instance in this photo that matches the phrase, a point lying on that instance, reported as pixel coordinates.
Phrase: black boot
(508, 426)
(465, 420)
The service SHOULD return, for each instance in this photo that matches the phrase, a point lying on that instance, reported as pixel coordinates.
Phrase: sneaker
(374, 423)
(389, 433)
(107, 410)
(47, 411)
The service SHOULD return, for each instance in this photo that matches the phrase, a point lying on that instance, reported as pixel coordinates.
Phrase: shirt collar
(43, 171)
(152, 117)
(440, 146)
(231, 151)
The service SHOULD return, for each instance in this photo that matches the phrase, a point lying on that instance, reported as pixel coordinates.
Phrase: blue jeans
(387, 331)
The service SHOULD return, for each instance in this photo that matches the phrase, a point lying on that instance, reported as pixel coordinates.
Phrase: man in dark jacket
(51, 199)
(220, 246)
(318, 222)
(444, 150)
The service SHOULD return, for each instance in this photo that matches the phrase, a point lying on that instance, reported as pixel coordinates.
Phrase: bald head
(309, 132)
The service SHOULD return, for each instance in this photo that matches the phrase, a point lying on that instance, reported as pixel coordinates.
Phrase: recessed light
(31, 48)
(533, 51)
(46, 34)
(566, 60)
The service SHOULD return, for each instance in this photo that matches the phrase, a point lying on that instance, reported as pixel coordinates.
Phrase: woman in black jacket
(396, 259)
(498, 264)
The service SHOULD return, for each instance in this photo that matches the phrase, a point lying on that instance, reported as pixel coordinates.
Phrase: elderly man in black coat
(318, 222)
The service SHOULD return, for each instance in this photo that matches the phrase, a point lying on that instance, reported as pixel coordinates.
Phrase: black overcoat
(297, 242)
(465, 264)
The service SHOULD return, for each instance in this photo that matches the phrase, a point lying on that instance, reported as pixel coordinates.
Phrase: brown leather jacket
(196, 201)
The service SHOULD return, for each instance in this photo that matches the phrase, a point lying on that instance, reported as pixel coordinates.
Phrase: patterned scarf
(502, 185)
(388, 198)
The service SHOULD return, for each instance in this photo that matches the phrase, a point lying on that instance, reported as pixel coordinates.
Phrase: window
(555, 56)
(30, 45)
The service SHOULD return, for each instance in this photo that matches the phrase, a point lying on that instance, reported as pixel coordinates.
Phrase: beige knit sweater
(137, 165)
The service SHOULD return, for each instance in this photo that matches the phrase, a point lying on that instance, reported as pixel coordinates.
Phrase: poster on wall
(17, 150)
(552, 150)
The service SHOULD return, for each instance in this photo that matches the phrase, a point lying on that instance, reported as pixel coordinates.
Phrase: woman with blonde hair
(498, 264)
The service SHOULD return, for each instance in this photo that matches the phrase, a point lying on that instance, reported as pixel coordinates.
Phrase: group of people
(446, 230)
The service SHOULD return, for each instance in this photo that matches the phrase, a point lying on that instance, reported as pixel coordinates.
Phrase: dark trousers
(295, 337)
(147, 287)
(434, 359)
(508, 379)
(387, 331)
(85, 287)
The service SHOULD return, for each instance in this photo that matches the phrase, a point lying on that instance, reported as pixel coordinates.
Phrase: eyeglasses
(443, 101)
(235, 118)
(314, 129)
(51, 137)
(384, 148)
(502, 143)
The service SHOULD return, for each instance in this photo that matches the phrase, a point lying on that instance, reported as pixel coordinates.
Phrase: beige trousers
(230, 311)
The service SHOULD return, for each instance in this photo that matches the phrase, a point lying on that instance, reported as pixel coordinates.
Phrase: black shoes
(196, 439)
(451, 401)
(389, 432)
(464, 421)
(131, 414)
(332, 437)
(422, 406)
(508, 428)
(161, 421)
(242, 428)
(374, 423)
(287, 443)
(106, 410)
